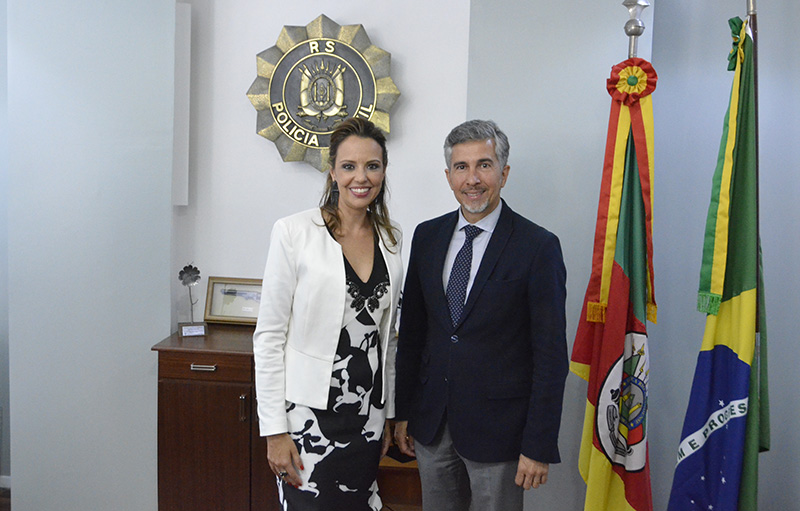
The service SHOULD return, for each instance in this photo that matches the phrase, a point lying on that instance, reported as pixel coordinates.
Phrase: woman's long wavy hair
(377, 212)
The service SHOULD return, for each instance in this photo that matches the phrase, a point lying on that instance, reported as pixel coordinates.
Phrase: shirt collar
(487, 223)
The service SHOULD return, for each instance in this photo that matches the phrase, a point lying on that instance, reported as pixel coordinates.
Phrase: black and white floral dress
(341, 446)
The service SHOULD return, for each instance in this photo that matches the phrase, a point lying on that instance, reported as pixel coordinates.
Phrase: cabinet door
(204, 446)
(264, 488)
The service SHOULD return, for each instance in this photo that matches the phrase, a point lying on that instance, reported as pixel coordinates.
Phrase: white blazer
(300, 319)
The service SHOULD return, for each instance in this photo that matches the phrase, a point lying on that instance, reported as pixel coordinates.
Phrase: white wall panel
(90, 153)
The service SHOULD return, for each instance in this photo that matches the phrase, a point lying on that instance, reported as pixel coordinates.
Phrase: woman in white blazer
(324, 343)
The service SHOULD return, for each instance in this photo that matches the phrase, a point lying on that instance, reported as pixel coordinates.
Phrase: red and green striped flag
(610, 349)
(727, 420)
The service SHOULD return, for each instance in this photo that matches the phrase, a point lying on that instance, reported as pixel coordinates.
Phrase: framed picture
(231, 300)
(192, 329)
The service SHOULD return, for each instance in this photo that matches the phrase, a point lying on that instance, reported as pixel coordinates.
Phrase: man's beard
(478, 209)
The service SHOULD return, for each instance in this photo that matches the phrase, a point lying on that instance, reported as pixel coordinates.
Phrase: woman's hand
(283, 458)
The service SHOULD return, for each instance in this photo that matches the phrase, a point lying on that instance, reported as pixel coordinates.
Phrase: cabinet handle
(243, 408)
(202, 367)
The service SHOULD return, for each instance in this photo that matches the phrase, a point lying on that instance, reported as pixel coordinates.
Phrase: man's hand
(388, 426)
(283, 458)
(404, 442)
(531, 473)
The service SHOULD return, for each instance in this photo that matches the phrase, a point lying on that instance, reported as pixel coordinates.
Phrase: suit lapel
(440, 244)
(497, 243)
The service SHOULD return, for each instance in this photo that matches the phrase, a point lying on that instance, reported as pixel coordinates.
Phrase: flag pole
(753, 20)
(752, 16)
(634, 27)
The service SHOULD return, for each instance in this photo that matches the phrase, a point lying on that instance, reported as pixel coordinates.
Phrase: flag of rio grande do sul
(610, 350)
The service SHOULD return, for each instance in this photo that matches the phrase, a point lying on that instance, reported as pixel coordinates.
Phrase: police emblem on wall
(314, 78)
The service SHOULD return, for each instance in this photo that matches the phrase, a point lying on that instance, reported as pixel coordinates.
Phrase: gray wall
(545, 83)
(4, 429)
(90, 116)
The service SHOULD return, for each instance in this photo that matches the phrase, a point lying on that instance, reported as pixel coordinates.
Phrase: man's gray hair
(477, 129)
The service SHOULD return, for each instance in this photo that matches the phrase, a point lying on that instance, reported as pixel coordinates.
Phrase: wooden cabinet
(210, 454)
(399, 485)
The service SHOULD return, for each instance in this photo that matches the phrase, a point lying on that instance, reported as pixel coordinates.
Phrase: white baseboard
(5, 481)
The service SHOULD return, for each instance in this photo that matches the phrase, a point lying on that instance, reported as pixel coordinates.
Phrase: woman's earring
(335, 192)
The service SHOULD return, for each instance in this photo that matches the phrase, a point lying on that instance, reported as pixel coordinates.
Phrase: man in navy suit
(482, 354)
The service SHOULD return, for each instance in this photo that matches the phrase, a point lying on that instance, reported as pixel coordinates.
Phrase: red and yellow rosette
(630, 86)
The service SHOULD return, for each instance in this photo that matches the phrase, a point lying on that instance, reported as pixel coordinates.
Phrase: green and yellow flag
(727, 420)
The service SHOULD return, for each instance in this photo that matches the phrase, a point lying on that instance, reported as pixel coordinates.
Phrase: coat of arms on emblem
(322, 92)
(621, 413)
(314, 78)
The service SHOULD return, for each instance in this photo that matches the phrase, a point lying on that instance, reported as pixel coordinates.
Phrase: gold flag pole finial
(634, 27)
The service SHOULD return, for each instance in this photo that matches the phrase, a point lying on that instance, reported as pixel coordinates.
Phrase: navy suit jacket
(499, 374)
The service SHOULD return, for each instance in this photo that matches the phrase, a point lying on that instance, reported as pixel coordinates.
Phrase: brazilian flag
(727, 420)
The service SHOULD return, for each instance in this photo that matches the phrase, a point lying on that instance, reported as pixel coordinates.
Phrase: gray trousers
(451, 482)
